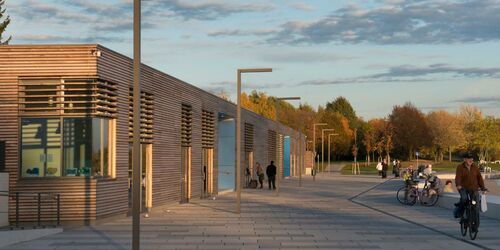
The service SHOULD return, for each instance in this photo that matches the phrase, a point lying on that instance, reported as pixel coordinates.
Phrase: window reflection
(41, 147)
(84, 151)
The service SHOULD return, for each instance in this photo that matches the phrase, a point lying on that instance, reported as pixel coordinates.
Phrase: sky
(437, 54)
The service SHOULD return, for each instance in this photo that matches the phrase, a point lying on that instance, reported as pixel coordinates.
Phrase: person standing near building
(260, 174)
(271, 175)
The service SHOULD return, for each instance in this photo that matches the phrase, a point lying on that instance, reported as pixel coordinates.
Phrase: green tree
(446, 132)
(486, 138)
(342, 143)
(4, 24)
(343, 107)
(368, 140)
(469, 117)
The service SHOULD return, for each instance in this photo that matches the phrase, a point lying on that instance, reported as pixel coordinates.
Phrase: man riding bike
(468, 180)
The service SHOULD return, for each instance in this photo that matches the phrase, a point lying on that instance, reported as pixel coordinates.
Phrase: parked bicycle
(470, 218)
(427, 195)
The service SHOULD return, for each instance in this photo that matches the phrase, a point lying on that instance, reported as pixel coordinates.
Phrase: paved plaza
(334, 212)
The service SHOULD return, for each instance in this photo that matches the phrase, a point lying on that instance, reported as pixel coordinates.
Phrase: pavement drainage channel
(352, 199)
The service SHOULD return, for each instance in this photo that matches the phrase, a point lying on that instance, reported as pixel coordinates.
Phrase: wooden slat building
(61, 96)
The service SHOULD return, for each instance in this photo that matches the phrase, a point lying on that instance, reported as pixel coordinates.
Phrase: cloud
(400, 22)
(36, 11)
(239, 32)
(230, 87)
(66, 39)
(409, 73)
(288, 56)
(409, 70)
(480, 100)
(208, 9)
(302, 6)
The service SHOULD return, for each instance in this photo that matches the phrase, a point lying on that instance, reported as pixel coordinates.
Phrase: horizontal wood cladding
(42, 62)
(101, 198)
(78, 199)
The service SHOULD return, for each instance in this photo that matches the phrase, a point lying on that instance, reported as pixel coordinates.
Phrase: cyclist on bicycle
(468, 180)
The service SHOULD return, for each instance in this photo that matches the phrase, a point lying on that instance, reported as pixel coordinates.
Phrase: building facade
(66, 123)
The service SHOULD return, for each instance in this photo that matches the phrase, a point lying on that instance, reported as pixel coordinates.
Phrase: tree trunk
(449, 153)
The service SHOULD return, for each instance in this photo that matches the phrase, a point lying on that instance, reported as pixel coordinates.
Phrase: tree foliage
(3, 24)
(405, 131)
(342, 106)
(410, 129)
(446, 133)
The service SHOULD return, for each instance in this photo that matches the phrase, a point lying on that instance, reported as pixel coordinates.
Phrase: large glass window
(41, 147)
(81, 148)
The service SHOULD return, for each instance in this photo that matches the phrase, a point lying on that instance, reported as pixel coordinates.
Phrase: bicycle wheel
(463, 226)
(474, 224)
(429, 198)
(400, 195)
(405, 196)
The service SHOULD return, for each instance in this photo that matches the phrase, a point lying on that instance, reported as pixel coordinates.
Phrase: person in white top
(379, 168)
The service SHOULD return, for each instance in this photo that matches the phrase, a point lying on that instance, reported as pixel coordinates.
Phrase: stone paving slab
(319, 215)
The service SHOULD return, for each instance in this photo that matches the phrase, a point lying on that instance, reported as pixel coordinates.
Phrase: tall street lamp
(323, 145)
(238, 132)
(314, 147)
(329, 142)
(136, 144)
(277, 137)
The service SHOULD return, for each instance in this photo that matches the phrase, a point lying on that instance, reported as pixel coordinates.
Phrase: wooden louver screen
(207, 129)
(271, 145)
(147, 102)
(186, 125)
(249, 137)
(67, 97)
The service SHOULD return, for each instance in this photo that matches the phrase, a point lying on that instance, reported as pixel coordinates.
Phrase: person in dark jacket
(385, 167)
(271, 175)
(468, 180)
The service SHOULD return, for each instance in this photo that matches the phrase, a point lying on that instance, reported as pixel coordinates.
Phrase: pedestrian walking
(385, 167)
(398, 167)
(260, 174)
(271, 175)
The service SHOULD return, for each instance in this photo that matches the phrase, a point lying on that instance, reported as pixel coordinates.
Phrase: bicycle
(410, 193)
(469, 220)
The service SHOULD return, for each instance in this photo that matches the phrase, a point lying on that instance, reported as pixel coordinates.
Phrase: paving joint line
(409, 221)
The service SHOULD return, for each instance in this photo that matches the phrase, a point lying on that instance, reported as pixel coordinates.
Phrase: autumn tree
(446, 132)
(469, 116)
(410, 129)
(487, 137)
(342, 106)
(3, 24)
(368, 140)
(259, 103)
(343, 141)
(382, 141)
